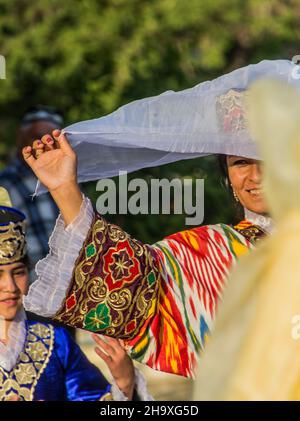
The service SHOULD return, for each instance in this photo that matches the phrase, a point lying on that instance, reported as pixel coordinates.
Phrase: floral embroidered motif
(113, 289)
(97, 318)
(25, 373)
(231, 110)
(120, 266)
(23, 378)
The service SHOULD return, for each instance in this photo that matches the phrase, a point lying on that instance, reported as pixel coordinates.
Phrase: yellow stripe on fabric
(238, 248)
(192, 238)
(172, 263)
(171, 345)
(144, 339)
(141, 344)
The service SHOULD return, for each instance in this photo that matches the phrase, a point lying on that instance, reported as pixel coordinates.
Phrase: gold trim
(252, 233)
(33, 360)
(12, 242)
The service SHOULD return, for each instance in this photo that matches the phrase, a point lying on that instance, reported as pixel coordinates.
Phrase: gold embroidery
(31, 337)
(23, 357)
(38, 351)
(25, 373)
(33, 360)
(97, 289)
(252, 233)
(12, 243)
(99, 298)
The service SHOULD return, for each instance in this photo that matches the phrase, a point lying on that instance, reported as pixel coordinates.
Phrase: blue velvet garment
(53, 368)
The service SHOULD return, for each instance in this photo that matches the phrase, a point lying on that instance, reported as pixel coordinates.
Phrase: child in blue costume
(39, 361)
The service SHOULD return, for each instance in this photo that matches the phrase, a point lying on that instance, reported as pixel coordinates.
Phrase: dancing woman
(161, 299)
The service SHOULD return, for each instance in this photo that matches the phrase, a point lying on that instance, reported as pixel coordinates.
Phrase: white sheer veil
(206, 119)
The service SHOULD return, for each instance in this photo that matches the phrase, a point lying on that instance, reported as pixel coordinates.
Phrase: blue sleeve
(83, 381)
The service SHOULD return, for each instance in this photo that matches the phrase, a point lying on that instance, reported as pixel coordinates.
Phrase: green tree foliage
(88, 57)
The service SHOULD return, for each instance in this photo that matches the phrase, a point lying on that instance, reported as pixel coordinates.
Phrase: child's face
(14, 283)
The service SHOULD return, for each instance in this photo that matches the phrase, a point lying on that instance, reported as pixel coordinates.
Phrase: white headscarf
(206, 119)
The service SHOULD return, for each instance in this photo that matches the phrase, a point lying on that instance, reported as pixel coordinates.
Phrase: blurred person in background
(20, 181)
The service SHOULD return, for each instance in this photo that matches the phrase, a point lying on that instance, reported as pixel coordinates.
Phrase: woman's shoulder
(203, 232)
(244, 231)
(204, 238)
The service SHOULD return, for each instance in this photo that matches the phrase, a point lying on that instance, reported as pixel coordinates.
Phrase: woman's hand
(119, 363)
(53, 160)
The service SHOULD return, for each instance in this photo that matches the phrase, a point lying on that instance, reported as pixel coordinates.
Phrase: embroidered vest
(23, 378)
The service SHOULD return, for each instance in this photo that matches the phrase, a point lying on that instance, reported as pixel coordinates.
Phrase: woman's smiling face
(245, 177)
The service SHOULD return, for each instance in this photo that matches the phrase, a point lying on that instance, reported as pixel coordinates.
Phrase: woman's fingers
(117, 344)
(65, 145)
(122, 343)
(37, 147)
(28, 155)
(62, 141)
(104, 345)
(56, 133)
(106, 358)
(49, 142)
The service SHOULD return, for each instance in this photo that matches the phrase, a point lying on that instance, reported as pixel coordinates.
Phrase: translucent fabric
(206, 119)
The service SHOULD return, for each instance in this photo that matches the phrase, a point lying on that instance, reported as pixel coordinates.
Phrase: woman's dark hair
(222, 161)
(225, 182)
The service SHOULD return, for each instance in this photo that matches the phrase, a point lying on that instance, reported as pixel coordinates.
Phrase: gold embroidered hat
(12, 231)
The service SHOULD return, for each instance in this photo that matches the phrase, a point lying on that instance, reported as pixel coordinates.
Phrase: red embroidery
(130, 326)
(121, 266)
(71, 302)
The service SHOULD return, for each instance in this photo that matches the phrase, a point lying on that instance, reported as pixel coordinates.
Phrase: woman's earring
(234, 194)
